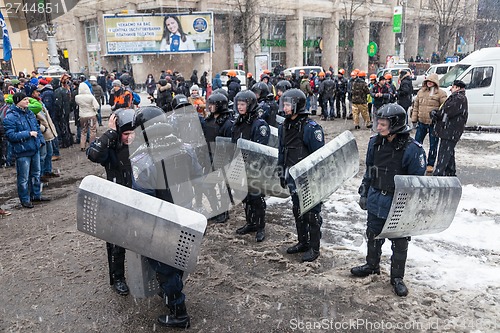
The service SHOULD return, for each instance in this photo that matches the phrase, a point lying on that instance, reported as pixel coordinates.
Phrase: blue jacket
(48, 98)
(216, 82)
(18, 124)
(413, 163)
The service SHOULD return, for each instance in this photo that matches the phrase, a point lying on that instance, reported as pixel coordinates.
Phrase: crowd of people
(35, 126)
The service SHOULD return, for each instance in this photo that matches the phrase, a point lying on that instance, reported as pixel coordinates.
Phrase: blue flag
(7, 47)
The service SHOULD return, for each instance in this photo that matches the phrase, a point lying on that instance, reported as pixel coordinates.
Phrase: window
(91, 32)
(442, 70)
(478, 77)
(278, 58)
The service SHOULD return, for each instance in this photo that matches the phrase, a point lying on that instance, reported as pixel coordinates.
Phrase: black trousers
(445, 163)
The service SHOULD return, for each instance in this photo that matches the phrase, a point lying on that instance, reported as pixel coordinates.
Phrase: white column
(295, 39)
(331, 42)
(361, 40)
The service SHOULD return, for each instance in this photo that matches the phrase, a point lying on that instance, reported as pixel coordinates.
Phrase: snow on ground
(478, 136)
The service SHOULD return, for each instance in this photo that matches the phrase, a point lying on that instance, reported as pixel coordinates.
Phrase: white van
(307, 69)
(480, 71)
(439, 69)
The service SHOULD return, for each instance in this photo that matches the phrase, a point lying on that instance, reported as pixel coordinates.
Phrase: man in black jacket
(450, 124)
(111, 150)
(405, 90)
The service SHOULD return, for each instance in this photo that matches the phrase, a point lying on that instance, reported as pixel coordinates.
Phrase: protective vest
(120, 100)
(388, 162)
(294, 148)
(243, 127)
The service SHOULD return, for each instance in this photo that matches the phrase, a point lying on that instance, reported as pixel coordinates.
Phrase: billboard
(159, 33)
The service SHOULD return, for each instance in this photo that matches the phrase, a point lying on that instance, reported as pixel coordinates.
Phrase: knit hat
(92, 78)
(43, 82)
(116, 83)
(194, 87)
(19, 96)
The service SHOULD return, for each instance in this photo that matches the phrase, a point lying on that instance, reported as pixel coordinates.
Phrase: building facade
(330, 33)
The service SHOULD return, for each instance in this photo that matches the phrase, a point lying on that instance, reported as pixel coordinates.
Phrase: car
(394, 71)
(439, 69)
(241, 75)
(307, 69)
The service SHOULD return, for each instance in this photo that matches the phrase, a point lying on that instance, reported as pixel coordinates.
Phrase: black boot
(261, 225)
(250, 226)
(178, 316)
(121, 287)
(398, 261)
(374, 251)
(314, 221)
(302, 234)
(116, 263)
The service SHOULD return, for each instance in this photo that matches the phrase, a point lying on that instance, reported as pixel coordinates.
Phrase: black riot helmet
(221, 91)
(220, 102)
(283, 86)
(396, 116)
(261, 90)
(148, 115)
(179, 101)
(248, 97)
(294, 98)
(124, 120)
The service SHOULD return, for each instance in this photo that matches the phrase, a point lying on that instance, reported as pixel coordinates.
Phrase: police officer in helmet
(249, 126)
(391, 152)
(111, 150)
(299, 136)
(162, 167)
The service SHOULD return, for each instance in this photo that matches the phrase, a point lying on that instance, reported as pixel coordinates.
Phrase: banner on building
(397, 21)
(159, 33)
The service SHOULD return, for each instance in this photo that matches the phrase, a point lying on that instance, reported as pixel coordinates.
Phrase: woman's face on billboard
(172, 25)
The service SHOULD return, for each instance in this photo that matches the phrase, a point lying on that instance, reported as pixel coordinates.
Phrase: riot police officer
(391, 152)
(111, 150)
(249, 126)
(163, 166)
(265, 98)
(299, 136)
(281, 88)
(218, 123)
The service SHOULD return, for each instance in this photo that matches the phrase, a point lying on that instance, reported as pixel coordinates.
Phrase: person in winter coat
(164, 95)
(99, 96)
(305, 86)
(381, 95)
(233, 85)
(101, 81)
(150, 86)
(340, 91)
(23, 132)
(216, 82)
(120, 98)
(62, 112)
(88, 106)
(360, 92)
(450, 124)
(405, 90)
(429, 97)
(250, 80)
(204, 83)
(326, 96)
(197, 100)
(194, 78)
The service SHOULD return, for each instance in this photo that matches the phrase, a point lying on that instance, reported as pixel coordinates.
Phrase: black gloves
(362, 203)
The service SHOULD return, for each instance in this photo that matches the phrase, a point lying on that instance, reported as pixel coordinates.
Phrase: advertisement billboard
(159, 33)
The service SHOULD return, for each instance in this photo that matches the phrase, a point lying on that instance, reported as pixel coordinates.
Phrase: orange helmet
(249, 75)
(362, 74)
(388, 76)
(341, 71)
(321, 74)
(373, 77)
(231, 73)
(267, 71)
(354, 74)
(169, 72)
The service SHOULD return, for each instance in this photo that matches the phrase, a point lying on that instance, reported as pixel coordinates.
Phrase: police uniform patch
(422, 160)
(263, 130)
(318, 134)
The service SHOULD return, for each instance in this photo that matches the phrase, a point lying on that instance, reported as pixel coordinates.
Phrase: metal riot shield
(136, 221)
(141, 278)
(223, 152)
(261, 165)
(273, 137)
(187, 126)
(422, 205)
(324, 171)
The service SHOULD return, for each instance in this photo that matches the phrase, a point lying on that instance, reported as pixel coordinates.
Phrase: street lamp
(402, 39)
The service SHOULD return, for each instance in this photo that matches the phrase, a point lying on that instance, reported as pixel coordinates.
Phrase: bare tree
(450, 16)
(349, 15)
(248, 32)
(488, 23)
